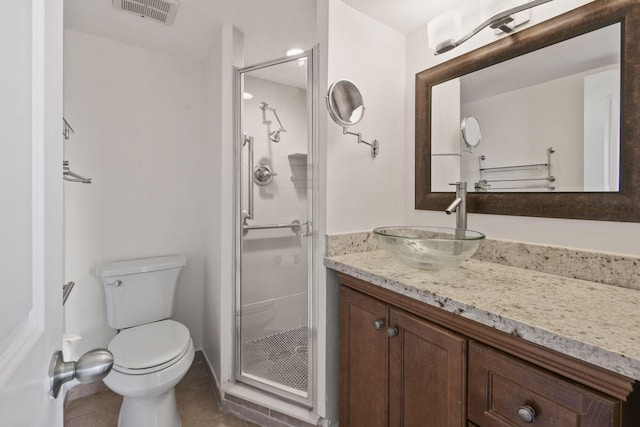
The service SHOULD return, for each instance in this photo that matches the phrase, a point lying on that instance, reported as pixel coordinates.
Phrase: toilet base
(155, 411)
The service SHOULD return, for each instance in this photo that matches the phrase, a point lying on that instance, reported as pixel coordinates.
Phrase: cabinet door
(426, 374)
(363, 361)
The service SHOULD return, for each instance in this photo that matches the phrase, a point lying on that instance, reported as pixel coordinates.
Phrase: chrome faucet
(459, 206)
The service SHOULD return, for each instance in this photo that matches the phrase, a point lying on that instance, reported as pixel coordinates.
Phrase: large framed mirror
(579, 158)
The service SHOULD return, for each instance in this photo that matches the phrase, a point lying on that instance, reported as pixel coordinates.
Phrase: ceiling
(269, 27)
(404, 16)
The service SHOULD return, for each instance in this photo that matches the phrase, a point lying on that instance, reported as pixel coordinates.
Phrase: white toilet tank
(140, 291)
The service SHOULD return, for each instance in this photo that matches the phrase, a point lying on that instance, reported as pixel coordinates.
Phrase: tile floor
(196, 403)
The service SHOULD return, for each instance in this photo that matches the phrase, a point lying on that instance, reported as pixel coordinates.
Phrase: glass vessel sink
(429, 248)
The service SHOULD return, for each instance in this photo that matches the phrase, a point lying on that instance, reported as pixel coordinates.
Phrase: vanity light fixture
(444, 30)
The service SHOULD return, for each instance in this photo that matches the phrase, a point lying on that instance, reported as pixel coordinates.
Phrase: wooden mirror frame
(623, 205)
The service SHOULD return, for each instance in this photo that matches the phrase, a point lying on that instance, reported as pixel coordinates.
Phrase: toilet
(151, 352)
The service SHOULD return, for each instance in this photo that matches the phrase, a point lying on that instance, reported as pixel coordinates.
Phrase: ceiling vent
(159, 10)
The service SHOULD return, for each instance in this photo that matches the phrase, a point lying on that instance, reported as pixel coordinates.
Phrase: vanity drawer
(504, 391)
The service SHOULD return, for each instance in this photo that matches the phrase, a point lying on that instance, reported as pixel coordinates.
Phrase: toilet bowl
(149, 361)
(151, 352)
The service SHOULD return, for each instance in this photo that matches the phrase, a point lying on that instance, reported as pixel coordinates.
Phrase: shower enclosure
(275, 202)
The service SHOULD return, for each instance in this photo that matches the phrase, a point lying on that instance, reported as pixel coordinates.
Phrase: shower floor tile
(281, 358)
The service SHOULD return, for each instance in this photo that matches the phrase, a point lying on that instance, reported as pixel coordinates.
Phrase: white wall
(520, 125)
(212, 265)
(226, 52)
(602, 131)
(357, 192)
(592, 235)
(138, 118)
(445, 165)
(363, 192)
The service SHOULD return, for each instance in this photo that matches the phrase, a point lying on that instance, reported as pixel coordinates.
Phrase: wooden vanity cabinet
(500, 387)
(363, 361)
(400, 366)
(397, 369)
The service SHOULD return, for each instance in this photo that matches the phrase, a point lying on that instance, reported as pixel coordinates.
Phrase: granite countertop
(593, 322)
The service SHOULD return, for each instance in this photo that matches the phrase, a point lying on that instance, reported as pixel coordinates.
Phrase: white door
(31, 227)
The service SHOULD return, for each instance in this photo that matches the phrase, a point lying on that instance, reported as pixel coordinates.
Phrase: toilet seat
(149, 348)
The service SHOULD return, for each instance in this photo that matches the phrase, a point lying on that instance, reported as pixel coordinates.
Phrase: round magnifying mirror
(470, 129)
(344, 103)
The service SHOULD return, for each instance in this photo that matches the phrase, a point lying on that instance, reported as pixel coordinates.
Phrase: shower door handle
(248, 213)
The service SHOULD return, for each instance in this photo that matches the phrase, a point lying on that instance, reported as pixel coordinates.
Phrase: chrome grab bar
(527, 187)
(514, 168)
(294, 225)
(544, 178)
(248, 213)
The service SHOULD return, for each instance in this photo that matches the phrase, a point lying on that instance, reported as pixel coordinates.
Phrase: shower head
(275, 135)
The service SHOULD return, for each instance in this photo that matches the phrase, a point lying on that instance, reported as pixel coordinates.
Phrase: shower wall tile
(610, 269)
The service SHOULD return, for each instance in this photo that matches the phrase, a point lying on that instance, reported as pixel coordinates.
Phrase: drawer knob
(392, 332)
(527, 413)
(378, 324)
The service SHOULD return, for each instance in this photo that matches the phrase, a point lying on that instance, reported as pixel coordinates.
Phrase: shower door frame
(311, 56)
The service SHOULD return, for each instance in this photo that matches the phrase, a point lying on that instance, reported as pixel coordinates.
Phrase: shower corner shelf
(298, 164)
(297, 158)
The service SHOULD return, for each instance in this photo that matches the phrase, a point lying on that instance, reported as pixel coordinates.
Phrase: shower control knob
(263, 174)
(392, 332)
(378, 324)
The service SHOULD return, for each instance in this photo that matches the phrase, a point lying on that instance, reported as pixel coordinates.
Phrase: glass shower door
(274, 280)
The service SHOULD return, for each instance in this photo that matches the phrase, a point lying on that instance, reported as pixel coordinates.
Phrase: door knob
(392, 332)
(378, 324)
(91, 367)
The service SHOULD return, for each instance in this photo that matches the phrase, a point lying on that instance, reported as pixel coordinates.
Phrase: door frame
(311, 56)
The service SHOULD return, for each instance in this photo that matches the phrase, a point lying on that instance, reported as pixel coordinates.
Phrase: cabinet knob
(378, 324)
(527, 413)
(392, 332)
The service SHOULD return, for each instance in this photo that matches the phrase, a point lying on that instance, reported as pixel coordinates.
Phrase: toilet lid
(149, 345)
